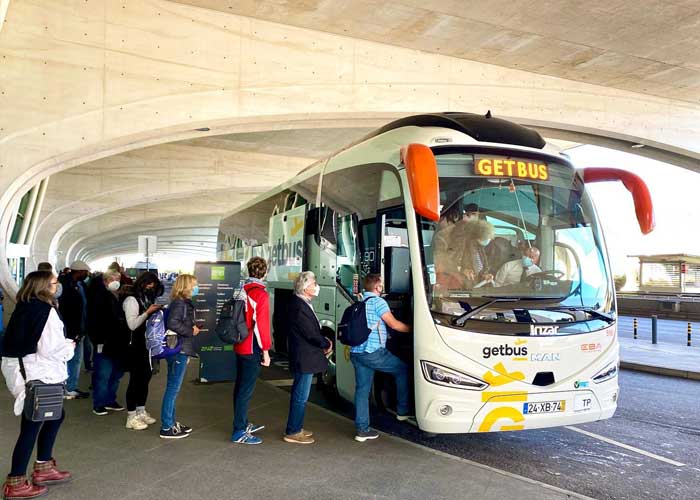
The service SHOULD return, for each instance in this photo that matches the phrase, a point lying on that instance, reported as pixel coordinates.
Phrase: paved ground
(110, 462)
(656, 415)
(670, 356)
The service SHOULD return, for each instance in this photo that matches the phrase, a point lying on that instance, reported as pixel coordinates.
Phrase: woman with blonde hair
(35, 348)
(181, 321)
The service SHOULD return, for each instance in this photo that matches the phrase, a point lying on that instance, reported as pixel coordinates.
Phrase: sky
(675, 193)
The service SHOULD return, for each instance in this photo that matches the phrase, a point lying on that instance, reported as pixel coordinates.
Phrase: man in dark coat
(109, 335)
(307, 354)
(73, 309)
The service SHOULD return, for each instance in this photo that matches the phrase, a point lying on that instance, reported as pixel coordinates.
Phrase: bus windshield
(517, 232)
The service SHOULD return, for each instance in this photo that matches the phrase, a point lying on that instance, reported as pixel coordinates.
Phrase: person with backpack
(252, 352)
(34, 348)
(108, 334)
(307, 354)
(138, 305)
(372, 355)
(181, 320)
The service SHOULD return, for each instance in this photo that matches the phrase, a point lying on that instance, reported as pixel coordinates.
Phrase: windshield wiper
(460, 320)
(593, 312)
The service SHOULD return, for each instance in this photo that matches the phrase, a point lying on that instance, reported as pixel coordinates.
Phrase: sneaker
(81, 394)
(243, 437)
(173, 433)
(114, 407)
(307, 433)
(404, 418)
(253, 428)
(298, 438)
(100, 410)
(363, 436)
(134, 422)
(70, 395)
(183, 427)
(145, 417)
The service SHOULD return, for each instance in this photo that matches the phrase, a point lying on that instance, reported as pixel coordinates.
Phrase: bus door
(395, 268)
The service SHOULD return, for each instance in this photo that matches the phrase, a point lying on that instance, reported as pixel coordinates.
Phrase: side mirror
(643, 205)
(423, 180)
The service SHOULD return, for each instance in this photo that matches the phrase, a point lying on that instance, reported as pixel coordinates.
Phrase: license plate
(544, 407)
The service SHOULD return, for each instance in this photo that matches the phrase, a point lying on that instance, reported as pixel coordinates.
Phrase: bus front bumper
(450, 412)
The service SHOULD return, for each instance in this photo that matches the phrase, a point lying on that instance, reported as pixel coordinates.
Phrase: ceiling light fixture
(637, 146)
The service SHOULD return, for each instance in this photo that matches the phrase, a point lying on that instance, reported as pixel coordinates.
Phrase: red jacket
(257, 317)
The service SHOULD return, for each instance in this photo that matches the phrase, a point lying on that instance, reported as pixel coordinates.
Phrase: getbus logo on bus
(494, 166)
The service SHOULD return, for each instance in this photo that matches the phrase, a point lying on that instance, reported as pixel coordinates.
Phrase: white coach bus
(445, 206)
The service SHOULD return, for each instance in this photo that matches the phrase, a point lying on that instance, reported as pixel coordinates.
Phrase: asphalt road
(656, 415)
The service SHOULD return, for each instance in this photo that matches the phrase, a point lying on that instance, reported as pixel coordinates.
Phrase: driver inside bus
(516, 271)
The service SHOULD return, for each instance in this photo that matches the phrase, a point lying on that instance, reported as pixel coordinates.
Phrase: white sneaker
(134, 422)
(145, 417)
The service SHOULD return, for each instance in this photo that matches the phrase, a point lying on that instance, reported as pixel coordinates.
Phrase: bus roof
(250, 221)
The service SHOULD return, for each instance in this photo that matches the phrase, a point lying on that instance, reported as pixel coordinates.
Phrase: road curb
(660, 370)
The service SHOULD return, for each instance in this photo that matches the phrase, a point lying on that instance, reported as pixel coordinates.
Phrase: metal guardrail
(693, 297)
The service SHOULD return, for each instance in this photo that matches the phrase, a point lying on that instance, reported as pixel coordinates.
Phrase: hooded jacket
(257, 318)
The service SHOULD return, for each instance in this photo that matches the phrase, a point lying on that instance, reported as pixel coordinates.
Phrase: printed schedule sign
(218, 281)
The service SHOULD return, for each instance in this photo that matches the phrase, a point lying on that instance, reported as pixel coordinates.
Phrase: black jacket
(306, 344)
(106, 322)
(181, 321)
(70, 305)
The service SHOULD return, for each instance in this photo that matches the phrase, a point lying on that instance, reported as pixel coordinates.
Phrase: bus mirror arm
(643, 206)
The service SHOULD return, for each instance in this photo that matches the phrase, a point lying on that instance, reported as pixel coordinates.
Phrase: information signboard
(218, 281)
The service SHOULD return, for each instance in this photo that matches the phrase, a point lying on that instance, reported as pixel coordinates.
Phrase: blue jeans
(88, 354)
(365, 365)
(74, 367)
(297, 402)
(177, 366)
(106, 376)
(247, 371)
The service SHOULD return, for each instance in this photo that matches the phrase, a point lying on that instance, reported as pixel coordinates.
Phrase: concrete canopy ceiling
(646, 46)
(175, 191)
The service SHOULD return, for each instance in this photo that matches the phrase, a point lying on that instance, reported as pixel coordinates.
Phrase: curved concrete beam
(156, 174)
(129, 227)
(140, 85)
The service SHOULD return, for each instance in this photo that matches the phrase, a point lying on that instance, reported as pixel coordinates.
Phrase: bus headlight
(606, 373)
(448, 377)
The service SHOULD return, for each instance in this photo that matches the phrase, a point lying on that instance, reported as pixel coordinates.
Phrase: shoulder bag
(42, 402)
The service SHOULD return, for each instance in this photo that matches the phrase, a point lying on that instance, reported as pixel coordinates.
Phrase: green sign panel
(218, 273)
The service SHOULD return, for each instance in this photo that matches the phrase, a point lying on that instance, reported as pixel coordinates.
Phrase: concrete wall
(81, 80)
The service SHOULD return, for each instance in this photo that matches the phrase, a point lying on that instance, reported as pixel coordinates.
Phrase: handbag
(42, 402)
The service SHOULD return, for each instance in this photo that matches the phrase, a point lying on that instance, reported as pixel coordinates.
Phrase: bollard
(653, 328)
(635, 328)
(690, 331)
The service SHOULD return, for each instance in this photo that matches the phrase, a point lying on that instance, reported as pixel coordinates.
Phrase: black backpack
(232, 327)
(353, 329)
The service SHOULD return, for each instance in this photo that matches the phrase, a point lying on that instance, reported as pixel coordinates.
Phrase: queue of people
(46, 329)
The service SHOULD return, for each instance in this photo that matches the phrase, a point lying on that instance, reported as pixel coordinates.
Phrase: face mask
(316, 290)
(113, 286)
(483, 243)
(527, 262)
(195, 290)
(59, 290)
